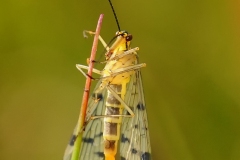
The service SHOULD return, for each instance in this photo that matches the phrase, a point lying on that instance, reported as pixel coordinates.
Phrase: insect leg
(129, 52)
(117, 57)
(121, 100)
(127, 69)
(80, 67)
(100, 38)
(114, 73)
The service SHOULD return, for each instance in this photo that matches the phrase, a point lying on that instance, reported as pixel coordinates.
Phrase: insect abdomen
(111, 131)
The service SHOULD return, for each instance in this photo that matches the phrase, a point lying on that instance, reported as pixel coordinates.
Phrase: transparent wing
(92, 139)
(135, 140)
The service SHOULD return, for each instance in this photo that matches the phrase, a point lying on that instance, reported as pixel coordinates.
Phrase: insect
(117, 110)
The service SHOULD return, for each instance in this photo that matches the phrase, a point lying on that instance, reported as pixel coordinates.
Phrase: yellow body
(121, 78)
(120, 45)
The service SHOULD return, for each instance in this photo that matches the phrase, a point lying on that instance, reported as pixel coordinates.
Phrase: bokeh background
(191, 82)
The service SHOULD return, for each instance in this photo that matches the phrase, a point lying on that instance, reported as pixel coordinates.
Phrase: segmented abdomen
(111, 131)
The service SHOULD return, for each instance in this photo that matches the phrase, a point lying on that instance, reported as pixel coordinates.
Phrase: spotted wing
(92, 139)
(135, 140)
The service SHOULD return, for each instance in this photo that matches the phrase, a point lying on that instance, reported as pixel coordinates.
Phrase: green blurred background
(191, 81)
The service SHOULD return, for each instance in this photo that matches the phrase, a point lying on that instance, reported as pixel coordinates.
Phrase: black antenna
(115, 15)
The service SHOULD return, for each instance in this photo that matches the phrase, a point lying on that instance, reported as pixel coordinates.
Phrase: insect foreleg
(100, 38)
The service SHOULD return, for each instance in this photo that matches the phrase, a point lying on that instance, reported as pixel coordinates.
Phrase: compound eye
(129, 37)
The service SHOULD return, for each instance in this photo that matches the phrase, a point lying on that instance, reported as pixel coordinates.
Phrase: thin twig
(82, 115)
